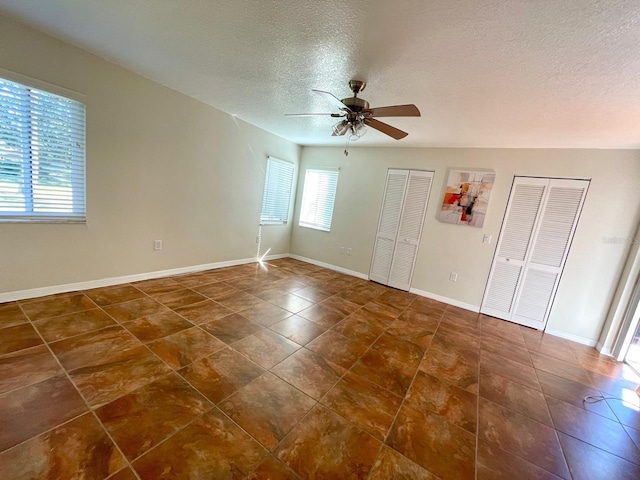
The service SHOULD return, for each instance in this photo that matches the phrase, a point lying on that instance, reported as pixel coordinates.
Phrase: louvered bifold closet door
(388, 225)
(410, 230)
(526, 198)
(548, 252)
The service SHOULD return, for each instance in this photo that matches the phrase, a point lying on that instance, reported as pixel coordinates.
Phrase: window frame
(329, 200)
(283, 219)
(79, 167)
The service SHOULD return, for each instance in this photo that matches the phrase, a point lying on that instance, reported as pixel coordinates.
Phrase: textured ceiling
(500, 73)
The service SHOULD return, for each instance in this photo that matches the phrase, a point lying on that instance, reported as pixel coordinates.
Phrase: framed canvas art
(466, 197)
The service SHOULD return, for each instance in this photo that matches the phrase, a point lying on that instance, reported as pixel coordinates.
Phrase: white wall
(612, 209)
(160, 165)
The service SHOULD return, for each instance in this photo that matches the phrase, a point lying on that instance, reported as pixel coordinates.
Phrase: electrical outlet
(157, 245)
(486, 239)
(341, 250)
(349, 250)
(453, 277)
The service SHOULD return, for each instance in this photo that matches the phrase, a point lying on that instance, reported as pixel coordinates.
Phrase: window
(277, 192)
(318, 199)
(42, 155)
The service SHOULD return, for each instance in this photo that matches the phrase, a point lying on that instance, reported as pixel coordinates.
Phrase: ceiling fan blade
(331, 98)
(385, 128)
(409, 110)
(311, 114)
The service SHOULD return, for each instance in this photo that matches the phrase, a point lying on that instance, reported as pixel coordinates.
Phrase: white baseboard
(605, 350)
(573, 338)
(107, 282)
(329, 266)
(450, 301)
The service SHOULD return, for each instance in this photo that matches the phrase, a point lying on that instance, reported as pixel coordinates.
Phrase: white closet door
(520, 219)
(550, 247)
(388, 225)
(410, 231)
(539, 224)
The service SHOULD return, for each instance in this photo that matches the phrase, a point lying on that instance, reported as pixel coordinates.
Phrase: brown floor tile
(561, 369)
(496, 464)
(312, 294)
(383, 310)
(594, 429)
(297, 329)
(94, 348)
(396, 298)
(458, 406)
(419, 334)
(337, 348)
(266, 314)
(221, 374)
(432, 442)
(215, 290)
(266, 348)
(627, 411)
(31, 410)
(210, 447)
(387, 371)
(340, 305)
(618, 387)
(158, 286)
(590, 463)
(203, 312)
(232, 328)
(77, 449)
(56, 306)
(428, 306)
(105, 382)
(267, 408)
(115, 294)
(508, 332)
(133, 309)
(515, 396)
(268, 291)
(324, 446)
(365, 404)
(324, 316)
(510, 369)
(58, 328)
(18, 337)
(505, 349)
(11, 314)
(147, 329)
(391, 465)
(521, 436)
(272, 469)
(291, 302)
(309, 372)
(401, 350)
(180, 298)
(634, 434)
(145, 417)
(185, 347)
(454, 337)
(238, 301)
(573, 392)
(377, 320)
(358, 329)
(457, 367)
(25, 367)
(124, 474)
(191, 279)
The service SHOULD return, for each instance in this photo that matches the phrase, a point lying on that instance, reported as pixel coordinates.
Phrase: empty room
(319, 240)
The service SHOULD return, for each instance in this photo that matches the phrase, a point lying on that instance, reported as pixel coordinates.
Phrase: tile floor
(294, 371)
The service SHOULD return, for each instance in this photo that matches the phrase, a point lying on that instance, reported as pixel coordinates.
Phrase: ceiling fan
(355, 114)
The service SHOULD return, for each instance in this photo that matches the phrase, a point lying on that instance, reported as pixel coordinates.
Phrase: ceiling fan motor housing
(355, 104)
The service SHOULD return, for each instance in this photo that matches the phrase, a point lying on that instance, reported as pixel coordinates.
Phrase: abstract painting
(466, 197)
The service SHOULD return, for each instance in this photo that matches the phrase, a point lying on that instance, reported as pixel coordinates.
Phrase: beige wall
(160, 165)
(612, 209)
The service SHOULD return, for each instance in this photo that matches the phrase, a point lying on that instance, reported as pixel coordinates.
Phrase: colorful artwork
(466, 197)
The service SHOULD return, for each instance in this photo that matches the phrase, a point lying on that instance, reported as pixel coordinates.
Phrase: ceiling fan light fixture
(341, 128)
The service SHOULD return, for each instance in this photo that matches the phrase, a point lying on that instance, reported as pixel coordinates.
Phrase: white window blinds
(277, 192)
(318, 198)
(42, 155)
